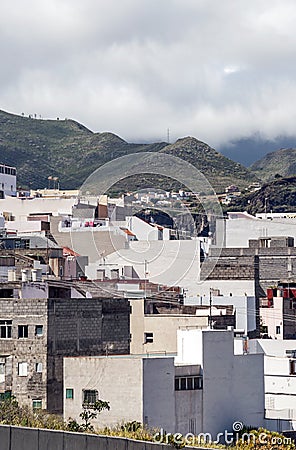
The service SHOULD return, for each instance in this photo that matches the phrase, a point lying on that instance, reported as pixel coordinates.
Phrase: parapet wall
(17, 438)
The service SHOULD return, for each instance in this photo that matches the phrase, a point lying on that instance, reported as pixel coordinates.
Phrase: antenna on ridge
(168, 135)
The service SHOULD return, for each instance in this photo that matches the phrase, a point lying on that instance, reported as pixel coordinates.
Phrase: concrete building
(207, 390)
(239, 227)
(243, 304)
(279, 382)
(264, 262)
(250, 381)
(278, 311)
(40, 323)
(137, 388)
(27, 253)
(7, 181)
(154, 324)
(169, 262)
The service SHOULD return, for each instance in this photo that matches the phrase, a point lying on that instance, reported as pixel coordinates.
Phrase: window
(23, 331)
(188, 383)
(90, 396)
(38, 367)
(148, 338)
(70, 393)
(22, 369)
(293, 367)
(37, 404)
(39, 330)
(5, 329)
(278, 330)
(5, 395)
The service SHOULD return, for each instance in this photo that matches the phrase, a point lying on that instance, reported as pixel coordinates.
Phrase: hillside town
(99, 302)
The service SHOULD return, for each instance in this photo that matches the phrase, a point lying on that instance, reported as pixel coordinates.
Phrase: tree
(90, 412)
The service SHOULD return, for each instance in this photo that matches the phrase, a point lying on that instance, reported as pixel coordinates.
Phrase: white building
(137, 388)
(7, 181)
(239, 293)
(279, 382)
(209, 388)
(241, 226)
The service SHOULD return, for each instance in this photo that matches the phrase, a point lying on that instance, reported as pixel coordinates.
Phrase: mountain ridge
(70, 151)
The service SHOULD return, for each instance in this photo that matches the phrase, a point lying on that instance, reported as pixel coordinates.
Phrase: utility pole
(210, 318)
(145, 279)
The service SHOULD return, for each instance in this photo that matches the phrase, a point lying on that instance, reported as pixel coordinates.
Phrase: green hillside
(276, 196)
(68, 150)
(281, 162)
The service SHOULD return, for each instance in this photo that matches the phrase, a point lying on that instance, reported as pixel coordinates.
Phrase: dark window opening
(189, 383)
(90, 396)
(5, 329)
(148, 338)
(23, 331)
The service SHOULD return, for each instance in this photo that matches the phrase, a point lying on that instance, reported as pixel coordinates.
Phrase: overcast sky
(213, 69)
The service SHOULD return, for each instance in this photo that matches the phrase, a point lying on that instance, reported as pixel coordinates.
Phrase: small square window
(23, 331)
(148, 338)
(39, 330)
(37, 404)
(38, 367)
(70, 393)
(22, 369)
(90, 396)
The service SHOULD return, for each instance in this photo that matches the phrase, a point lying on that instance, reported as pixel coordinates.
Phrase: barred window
(188, 383)
(90, 396)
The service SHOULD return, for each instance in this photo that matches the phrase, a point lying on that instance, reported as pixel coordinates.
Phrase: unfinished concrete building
(266, 261)
(40, 323)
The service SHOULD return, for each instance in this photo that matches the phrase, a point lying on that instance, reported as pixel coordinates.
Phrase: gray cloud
(214, 69)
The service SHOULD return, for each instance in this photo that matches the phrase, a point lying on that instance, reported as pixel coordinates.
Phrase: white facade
(245, 306)
(227, 387)
(157, 333)
(272, 319)
(146, 231)
(137, 388)
(172, 263)
(279, 382)
(21, 208)
(7, 180)
(241, 226)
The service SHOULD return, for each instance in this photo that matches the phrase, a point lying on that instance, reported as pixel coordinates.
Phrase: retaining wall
(18, 438)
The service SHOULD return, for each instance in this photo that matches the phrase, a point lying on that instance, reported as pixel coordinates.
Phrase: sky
(216, 70)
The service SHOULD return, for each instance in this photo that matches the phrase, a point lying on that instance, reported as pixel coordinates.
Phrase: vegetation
(276, 196)
(13, 414)
(261, 439)
(279, 163)
(67, 150)
(247, 439)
